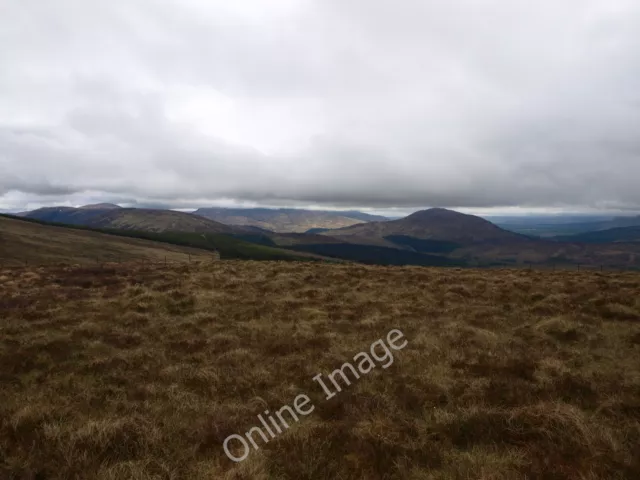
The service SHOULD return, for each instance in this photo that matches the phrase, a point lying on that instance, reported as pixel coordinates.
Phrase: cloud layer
(350, 103)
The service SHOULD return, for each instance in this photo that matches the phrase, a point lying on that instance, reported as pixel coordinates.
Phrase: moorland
(140, 371)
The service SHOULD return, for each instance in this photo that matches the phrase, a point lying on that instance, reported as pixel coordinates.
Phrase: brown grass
(29, 243)
(141, 372)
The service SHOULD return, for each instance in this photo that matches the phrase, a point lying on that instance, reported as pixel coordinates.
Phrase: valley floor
(141, 372)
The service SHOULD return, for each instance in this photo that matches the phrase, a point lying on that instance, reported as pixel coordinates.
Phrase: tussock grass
(141, 372)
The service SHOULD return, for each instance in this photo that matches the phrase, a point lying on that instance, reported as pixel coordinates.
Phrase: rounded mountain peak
(437, 213)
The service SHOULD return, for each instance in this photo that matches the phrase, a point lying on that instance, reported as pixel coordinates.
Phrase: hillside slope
(433, 224)
(550, 227)
(28, 242)
(149, 220)
(139, 219)
(614, 255)
(615, 235)
(286, 220)
(227, 246)
(66, 215)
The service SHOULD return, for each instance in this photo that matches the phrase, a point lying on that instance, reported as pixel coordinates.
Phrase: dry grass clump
(141, 372)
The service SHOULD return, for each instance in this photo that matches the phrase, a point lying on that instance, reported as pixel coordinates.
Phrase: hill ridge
(143, 219)
(433, 224)
(287, 220)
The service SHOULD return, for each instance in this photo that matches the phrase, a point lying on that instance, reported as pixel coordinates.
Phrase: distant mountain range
(140, 219)
(449, 237)
(221, 220)
(287, 220)
(28, 239)
(435, 236)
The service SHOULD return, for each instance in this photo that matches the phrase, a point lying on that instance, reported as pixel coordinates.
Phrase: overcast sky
(516, 104)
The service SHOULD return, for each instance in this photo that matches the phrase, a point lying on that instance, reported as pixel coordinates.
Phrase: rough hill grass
(23, 241)
(141, 372)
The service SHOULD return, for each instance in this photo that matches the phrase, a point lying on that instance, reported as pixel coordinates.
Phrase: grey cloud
(347, 103)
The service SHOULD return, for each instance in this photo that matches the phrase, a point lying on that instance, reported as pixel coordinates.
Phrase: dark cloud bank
(347, 103)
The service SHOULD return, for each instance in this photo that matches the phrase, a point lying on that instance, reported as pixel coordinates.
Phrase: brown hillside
(433, 224)
(287, 220)
(142, 219)
(149, 220)
(620, 255)
(23, 241)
